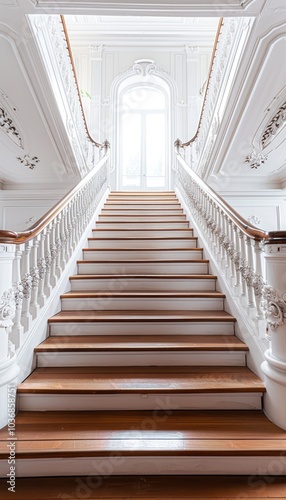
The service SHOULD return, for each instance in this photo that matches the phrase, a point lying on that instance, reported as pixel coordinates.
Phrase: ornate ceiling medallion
(255, 159)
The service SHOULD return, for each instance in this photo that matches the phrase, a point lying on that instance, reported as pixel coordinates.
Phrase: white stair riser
(141, 304)
(132, 233)
(169, 205)
(142, 212)
(96, 468)
(141, 218)
(139, 401)
(142, 244)
(138, 328)
(125, 284)
(142, 225)
(143, 268)
(125, 254)
(146, 358)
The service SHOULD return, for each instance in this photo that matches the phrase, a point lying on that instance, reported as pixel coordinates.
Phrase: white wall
(268, 207)
(21, 209)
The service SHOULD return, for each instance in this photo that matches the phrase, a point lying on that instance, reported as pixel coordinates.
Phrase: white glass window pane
(155, 144)
(143, 98)
(131, 181)
(131, 144)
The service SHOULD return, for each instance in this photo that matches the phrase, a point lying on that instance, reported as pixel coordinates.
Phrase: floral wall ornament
(255, 159)
(8, 125)
(253, 219)
(28, 161)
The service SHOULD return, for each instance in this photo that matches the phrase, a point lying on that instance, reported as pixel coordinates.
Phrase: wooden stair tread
(141, 295)
(137, 379)
(149, 488)
(147, 447)
(142, 343)
(225, 424)
(152, 316)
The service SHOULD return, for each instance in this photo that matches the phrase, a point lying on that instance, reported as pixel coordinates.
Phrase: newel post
(274, 366)
(8, 363)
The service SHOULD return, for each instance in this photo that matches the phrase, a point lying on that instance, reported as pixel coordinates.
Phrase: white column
(8, 364)
(274, 366)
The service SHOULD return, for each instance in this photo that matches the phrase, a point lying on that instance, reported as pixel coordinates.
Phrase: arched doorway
(143, 138)
(143, 100)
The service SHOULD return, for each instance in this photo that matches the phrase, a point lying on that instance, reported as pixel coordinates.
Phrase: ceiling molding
(149, 7)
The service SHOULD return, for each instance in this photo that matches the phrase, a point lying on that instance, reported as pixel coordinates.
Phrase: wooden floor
(148, 488)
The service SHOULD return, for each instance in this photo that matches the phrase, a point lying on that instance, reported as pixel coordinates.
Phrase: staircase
(142, 373)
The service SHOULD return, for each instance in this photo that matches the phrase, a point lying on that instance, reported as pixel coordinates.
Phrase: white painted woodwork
(138, 327)
(112, 302)
(141, 233)
(142, 225)
(143, 267)
(184, 358)
(142, 243)
(129, 254)
(101, 466)
(138, 401)
(139, 284)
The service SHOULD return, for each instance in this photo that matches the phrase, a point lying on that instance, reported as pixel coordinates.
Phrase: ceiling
(34, 144)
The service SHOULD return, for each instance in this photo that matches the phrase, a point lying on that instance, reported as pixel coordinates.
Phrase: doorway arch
(143, 100)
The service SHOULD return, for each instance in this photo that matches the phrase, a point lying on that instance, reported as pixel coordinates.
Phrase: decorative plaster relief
(276, 123)
(7, 124)
(255, 159)
(29, 161)
(7, 309)
(253, 219)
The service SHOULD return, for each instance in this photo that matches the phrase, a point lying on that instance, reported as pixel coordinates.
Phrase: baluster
(48, 258)
(69, 228)
(35, 307)
(237, 258)
(251, 272)
(17, 329)
(54, 253)
(66, 232)
(258, 282)
(243, 262)
(232, 248)
(27, 286)
(73, 225)
(59, 246)
(42, 268)
(63, 240)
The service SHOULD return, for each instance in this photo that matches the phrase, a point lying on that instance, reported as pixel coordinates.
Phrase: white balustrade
(253, 265)
(36, 264)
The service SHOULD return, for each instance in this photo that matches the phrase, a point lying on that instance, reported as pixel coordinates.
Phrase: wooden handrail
(97, 144)
(7, 236)
(178, 143)
(258, 234)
